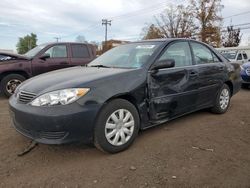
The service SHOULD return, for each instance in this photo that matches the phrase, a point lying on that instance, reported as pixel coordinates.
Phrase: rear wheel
(222, 100)
(117, 126)
(10, 82)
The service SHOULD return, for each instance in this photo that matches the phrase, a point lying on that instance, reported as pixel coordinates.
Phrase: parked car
(129, 88)
(236, 55)
(14, 68)
(245, 74)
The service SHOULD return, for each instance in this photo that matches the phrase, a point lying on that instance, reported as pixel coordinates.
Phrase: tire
(222, 102)
(10, 82)
(108, 129)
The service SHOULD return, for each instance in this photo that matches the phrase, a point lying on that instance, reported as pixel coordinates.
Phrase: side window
(180, 52)
(80, 51)
(58, 51)
(245, 55)
(202, 54)
(239, 56)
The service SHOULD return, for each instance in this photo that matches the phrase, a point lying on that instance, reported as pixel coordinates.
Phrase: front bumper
(54, 125)
(245, 77)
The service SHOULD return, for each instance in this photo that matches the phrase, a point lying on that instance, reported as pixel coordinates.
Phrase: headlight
(60, 97)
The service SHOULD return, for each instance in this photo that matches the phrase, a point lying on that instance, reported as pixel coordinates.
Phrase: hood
(12, 56)
(70, 78)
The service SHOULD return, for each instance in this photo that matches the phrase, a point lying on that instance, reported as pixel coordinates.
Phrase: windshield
(229, 54)
(127, 56)
(35, 50)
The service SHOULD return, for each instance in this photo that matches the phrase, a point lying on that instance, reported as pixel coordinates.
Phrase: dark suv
(129, 88)
(14, 68)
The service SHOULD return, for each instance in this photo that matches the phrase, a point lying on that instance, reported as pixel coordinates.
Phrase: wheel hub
(119, 127)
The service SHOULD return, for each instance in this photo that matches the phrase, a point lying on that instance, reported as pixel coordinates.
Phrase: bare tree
(207, 12)
(232, 37)
(176, 21)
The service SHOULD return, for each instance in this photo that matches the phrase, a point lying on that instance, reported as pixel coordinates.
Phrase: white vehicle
(239, 54)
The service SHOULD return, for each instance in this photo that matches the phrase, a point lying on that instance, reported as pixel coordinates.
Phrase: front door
(59, 58)
(173, 91)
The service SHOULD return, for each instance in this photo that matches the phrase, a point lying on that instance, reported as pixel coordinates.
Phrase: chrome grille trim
(25, 97)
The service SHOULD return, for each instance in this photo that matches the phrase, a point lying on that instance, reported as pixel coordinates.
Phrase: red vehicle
(14, 68)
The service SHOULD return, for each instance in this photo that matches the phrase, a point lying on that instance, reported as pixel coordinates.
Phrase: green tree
(207, 13)
(26, 43)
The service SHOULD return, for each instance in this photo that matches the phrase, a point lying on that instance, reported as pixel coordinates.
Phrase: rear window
(80, 51)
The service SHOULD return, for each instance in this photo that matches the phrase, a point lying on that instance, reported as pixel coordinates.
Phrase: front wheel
(10, 82)
(222, 100)
(117, 126)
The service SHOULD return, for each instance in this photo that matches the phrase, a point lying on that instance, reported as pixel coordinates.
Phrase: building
(111, 44)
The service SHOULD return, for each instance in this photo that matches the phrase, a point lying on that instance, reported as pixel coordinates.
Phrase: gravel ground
(197, 150)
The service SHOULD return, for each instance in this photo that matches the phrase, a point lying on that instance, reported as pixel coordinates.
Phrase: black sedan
(127, 89)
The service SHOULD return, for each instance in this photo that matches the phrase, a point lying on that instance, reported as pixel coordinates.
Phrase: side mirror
(163, 64)
(45, 56)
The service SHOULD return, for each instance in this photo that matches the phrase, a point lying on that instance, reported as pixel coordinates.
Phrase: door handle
(193, 73)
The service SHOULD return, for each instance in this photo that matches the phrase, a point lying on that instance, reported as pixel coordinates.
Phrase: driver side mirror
(45, 56)
(163, 64)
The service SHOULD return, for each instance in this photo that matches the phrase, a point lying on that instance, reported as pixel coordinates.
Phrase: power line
(138, 12)
(236, 25)
(239, 14)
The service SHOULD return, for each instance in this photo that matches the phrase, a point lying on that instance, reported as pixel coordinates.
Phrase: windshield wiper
(102, 66)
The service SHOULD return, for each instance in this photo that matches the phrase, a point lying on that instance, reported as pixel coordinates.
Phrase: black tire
(100, 140)
(218, 107)
(4, 83)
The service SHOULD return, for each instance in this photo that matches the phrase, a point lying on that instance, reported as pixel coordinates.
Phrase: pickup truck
(14, 68)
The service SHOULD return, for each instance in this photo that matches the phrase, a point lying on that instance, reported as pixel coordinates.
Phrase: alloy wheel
(12, 85)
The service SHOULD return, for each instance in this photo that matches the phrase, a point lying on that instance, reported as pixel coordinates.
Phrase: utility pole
(106, 22)
(57, 38)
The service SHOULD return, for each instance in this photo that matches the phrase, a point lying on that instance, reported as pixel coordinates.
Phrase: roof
(50, 43)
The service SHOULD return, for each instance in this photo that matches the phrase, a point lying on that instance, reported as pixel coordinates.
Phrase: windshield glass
(229, 54)
(35, 50)
(127, 56)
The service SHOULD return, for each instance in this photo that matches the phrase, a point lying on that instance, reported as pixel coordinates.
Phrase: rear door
(173, 91)
(211, 73)
(81, 54)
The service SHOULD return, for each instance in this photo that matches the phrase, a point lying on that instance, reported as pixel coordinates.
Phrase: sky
(67, 19)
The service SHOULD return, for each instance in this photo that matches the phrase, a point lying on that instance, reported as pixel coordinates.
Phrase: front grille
(248, 71)
(25, 97)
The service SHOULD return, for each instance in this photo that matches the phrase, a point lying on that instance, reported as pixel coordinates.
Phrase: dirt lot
(165, 156)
